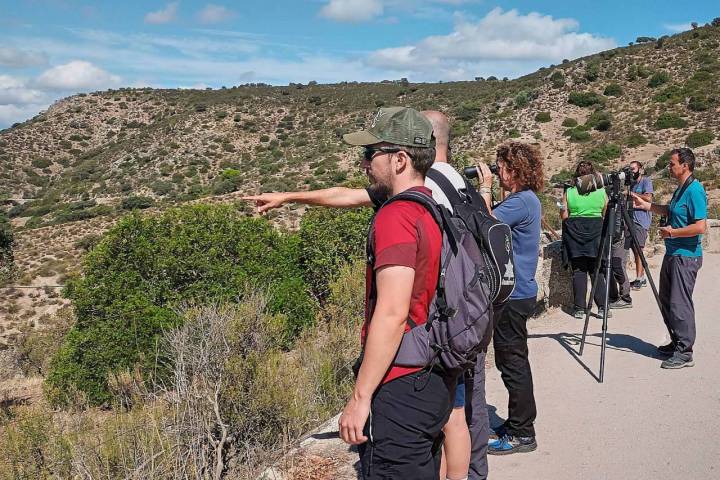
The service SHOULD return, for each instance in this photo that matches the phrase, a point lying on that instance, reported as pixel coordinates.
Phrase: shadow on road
(615, 341)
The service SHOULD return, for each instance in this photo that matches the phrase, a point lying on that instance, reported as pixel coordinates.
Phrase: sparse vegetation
(670, 120)
(699, 138)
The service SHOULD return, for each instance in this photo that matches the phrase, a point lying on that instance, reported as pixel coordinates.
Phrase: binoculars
(474, 172)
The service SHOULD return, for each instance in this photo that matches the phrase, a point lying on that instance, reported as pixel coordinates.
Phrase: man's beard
(382, 189)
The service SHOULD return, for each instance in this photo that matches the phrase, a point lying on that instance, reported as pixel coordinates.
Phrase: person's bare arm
(640, 203)
(385, 331)
(339, 197)
(697, 228)
(565, 212)
(486, 180)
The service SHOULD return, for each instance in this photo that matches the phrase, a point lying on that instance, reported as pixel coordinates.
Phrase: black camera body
(474, 172)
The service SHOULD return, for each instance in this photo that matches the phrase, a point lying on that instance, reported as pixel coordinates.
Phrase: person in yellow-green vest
(582, 217)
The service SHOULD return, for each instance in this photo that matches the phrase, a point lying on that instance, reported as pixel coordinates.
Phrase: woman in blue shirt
(686, 214)
(520, 170)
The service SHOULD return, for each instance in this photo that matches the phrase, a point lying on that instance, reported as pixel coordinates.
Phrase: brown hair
(525, 161)
(584, 168)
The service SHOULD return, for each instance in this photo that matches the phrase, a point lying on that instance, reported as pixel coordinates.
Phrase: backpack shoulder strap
(446, 186)
(475, 198)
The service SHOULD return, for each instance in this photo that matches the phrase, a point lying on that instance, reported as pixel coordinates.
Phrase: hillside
(70, 172)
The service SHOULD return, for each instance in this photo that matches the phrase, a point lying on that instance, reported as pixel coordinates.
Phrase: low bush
(699, 138)
(635, 139)
(613, 90)
(543, 117)
(670, 120)
(145, 267)
(603, 154)
(658, 78)
(136, 203)
(569, 123)
(585, 99)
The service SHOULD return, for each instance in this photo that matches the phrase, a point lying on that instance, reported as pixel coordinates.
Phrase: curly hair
(584, 168)
(525, 161)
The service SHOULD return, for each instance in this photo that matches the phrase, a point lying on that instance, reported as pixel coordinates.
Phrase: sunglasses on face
(370, 152)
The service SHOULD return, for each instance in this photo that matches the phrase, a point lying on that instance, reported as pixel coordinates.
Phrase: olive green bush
(699, 138)
(670, 120)
(585, 99)
(329, 238)
(146, 267)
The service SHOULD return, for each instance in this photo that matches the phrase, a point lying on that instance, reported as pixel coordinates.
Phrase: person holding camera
(686, 223)
(642, 219)
(520, 171)
(582, 217)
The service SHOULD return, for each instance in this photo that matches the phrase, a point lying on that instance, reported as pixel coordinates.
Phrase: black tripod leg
(603, 244)
(606, 303)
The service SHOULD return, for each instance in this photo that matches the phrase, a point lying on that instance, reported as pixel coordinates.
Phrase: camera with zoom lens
(474, 172)
(594, 181)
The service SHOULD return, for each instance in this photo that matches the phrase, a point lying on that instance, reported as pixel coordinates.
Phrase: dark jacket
(581, 236)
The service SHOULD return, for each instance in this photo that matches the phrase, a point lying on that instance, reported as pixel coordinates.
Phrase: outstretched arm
(339, 197)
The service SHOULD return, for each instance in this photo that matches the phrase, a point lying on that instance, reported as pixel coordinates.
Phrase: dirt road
(643, 422)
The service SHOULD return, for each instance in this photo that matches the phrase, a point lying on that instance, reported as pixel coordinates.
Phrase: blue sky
(53, 48)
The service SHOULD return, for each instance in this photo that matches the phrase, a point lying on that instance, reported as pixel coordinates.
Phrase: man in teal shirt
(686, 223)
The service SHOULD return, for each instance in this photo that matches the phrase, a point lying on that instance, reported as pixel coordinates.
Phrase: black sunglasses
(370, 152)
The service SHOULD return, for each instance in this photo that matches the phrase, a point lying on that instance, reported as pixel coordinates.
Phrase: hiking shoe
(676, 362)
(508, 444)
(668, 349)
(600, 313)
(579, 313)
(620, 304)
(496, 433)
(638, 283)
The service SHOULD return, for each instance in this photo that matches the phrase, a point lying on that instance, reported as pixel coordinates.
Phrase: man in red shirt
(396, 413)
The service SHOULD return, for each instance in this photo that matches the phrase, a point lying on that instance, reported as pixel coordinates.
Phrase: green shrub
(592, 72)
(146, 267)
(543, 117)
(698, 104)
(635, 139)
(671, 94)
(699, 138)
(41, 162)
(662, 162)
(514, 133)
(613, 90)
(585, 99)
(658, 78)
(599, 120)
(578, 135)
(603, 154)
(670, 120)
(563, 175)
(329, 238)
(136, 202)
(522, 99)
(557, 79)
(569, 123)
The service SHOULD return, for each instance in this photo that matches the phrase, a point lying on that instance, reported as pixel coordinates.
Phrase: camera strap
(687, 183)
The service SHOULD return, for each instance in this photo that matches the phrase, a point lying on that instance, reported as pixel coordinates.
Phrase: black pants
(511, 358)
(404, 428)
(582, 268)
(620, 284)
(677, 282)
(478, 420)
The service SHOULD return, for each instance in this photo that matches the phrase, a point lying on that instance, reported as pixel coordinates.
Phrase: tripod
(607, 235)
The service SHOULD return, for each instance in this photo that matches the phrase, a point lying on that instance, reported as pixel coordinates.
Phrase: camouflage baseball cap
(396, 125)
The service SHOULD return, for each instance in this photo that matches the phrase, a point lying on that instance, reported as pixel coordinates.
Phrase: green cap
(396, 125)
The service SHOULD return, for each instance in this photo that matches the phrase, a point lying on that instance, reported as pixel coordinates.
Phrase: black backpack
(494, 237)
(459, 323)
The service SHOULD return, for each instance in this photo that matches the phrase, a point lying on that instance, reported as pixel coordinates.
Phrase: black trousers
(404, 428)
(478, 420)
(620, 284)
(582, 268)
(511, 359)
(677, 282)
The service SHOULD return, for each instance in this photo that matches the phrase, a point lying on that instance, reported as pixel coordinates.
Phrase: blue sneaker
(508, 444)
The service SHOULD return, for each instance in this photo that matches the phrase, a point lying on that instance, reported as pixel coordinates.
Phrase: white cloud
(10, 114)
(17, 58)
(678, 27)
(215, 14)
(352, 10)
(166, 15)
(76, 75)
(531, 39)
(14, 91)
